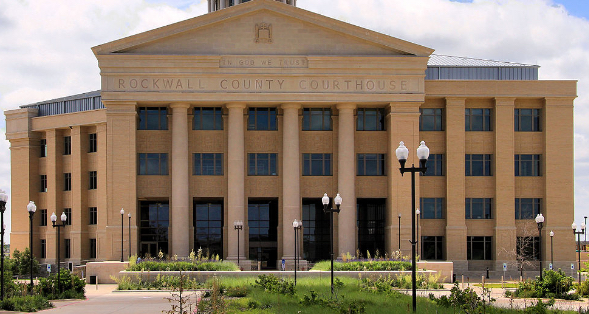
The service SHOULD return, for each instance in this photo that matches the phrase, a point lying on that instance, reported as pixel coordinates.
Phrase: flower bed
(364, 265)
(182, 266)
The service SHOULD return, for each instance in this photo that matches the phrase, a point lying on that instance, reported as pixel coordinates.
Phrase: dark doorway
(371, 221)
(315, 231)
(153, 228)
(208, 227)
(263, 235)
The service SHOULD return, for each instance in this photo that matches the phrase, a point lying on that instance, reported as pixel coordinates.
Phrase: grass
(364, 266)
(498, 285)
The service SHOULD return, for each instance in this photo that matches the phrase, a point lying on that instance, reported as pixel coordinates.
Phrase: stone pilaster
(291, 193)
(180, 213)
(236, 179)
(346, 182)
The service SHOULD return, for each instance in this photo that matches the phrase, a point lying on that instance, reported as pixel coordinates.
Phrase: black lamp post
(399, 232)
(578, 233)
(551, 251)
(129, 235)
(540, 222)
(422, 153)
(417, 212)
(338, 201)
(122, 234)
(31, 208)
(238, 225)
(3, 199)
(585, 233)
(297, 226)
(63, 218)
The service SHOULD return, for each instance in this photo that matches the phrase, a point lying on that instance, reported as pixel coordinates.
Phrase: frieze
(263, 62)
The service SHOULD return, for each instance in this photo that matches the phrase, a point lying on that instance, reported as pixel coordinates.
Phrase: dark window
(527, 166)
(371, 165)
(527, 208)
(371, 221)
(478, 165)
(208, 118)
(479, 248)
(153, 164)
(435, 165)
(261, 164)
(153, 118)
(92, 248)
(67, 248)
(92, 143)
(153, 232)
(478, 208)
(316, 164)
(432, 248)
(263, 236)
(43, 148)
(43, 248)
(527, 120)
(67, 181)
(477, 119)
(370, 119)
(208, 227)
(67, 145)
(315, 231)
(262, 119)
(528, 248)
(431, 119)
(43, 178)
(316, 119)
(432, 208)
(93, 215)
(68, 214)
(93, 184)
(43, 217)
(206, 164)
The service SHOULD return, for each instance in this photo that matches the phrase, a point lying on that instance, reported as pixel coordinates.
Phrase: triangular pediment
(262, 27)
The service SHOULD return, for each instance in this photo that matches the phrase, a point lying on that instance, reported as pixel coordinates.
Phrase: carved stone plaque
(264, 33)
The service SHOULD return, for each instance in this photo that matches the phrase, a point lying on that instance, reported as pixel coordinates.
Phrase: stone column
(80, 178)
(180, 213)
(235, 179)
(455, 221)
(346, 181)
(505, 230)
(291, 193)
(222, 4)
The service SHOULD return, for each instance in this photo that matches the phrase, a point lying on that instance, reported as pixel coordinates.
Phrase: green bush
(20, 263)
(160, 283)
(182, 266)
(466, 300)
(387, 283)
(554, 284)
(271, 283)
(28, 303)
(364, 266)
(72, 287)
(583, 289)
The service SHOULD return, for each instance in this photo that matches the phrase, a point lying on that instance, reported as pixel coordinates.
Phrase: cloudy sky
(45, 45)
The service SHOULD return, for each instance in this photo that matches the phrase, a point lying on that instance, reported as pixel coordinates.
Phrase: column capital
(344, 106)
(455, 101)
(239, 105)
(184, 105)
(291, 106)
(505, 101)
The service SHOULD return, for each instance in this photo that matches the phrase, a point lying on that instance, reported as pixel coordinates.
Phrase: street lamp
(422, 153)
(129, 235)
(238, 225)
(540, 222)
(417, 212)
(585, 233)
(551, 251)
(338, 201)
(31, 208)
(122, 234)
(578, 233)
(63, 218)
(296, 224)
(399, 232)
(3, 199)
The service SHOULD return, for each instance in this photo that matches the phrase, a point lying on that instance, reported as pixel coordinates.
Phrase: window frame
(43, 247)
(255, 115)
(470, 118)
(43, 217)
(143, 121)
(486, 164)
(326, 164)
(380, 160)
(438, 243)
(163, 164)
(197, 164)
(437, 115)
(534, 116)
(43, 182)
(92, 248)
(438, 213)
(92, 215)
(435, 166)
(92, 180)
(92, 143)
(67, 181)
(379, 122)
(272, 163)
(67, 248)
(309, 117)
(68, 213)
(534, 168)
(535, 248)
(214, 227)
(67, 145)
(535, 203)
(486, 203)
(487, 245)
(43, 147)
(199, 116)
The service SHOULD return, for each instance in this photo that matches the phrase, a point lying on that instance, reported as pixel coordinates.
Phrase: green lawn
(498, 285)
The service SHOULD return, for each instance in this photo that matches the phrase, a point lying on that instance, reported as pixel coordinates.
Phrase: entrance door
(263, 234)
(148, 249)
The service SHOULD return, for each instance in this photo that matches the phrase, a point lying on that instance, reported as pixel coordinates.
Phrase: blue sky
(579, 8)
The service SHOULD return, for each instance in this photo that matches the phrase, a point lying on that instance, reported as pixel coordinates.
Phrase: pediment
(262, 27)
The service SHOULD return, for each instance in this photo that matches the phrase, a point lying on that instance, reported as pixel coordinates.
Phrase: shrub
(28, 303)
(387, 283)
(160, 283)
(182, 266)
(554, 284)
(466, 300)
(583, 289)
(364, 266)
(272, 284)
(72, 287)
(21, 263)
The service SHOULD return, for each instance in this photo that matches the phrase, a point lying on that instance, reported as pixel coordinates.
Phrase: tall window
(316, 164)
(43, 181)
(478, 165)
(262, 119)
(153, 232)
(261, 164)
(435, 165)
(431, 119)
(316, 119)
(43, 218)
(371, 221)
(153, 164)
(315, 231)
(153, 118)
(43, 148)
(93, 215)
(527, 208)
(370, 119)
(432, 247)
(371, 165)
(92, 143)
(68, 213)
(528, 248)
(207, 118)
(43, 248)
(263, 234)
(93, 178)
(431, 208)
(67, 248)
(206, 164)
(527, 166)
(477, 119)
(67, 145)
(527, 120)
(208, 227)
(478, 208)
(479, 248)
(67, 181)
(92, 248)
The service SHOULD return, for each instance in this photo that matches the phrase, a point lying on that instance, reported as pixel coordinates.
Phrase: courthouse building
(255, 110)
